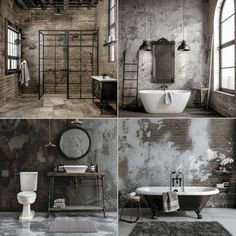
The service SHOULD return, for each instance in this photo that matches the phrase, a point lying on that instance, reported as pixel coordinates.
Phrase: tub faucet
(164, 87)
(177, 179)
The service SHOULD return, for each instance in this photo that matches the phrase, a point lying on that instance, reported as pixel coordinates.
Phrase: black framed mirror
(163, 61)
(74, 143)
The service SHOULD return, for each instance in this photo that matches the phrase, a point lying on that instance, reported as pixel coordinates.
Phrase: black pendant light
(145, 45)
(183, 45)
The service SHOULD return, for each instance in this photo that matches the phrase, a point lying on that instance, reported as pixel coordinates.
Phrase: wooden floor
(53, 106)
(188, 113)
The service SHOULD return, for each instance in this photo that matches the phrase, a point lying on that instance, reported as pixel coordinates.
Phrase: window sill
(224, 93)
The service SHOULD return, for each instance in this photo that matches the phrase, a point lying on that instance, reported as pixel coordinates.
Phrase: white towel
(24, 73)
(168, 98)
(170, 201)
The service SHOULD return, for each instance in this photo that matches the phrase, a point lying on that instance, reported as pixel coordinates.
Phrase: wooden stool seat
(133, 200)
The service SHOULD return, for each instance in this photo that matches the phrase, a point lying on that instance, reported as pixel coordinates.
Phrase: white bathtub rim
(157, 91)
(188, 190)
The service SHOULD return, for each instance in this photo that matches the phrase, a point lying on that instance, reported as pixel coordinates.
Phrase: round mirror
(75, 143)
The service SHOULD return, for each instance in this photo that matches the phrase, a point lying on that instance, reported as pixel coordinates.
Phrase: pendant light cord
(183, 21)
(145, 19)
(49, 132)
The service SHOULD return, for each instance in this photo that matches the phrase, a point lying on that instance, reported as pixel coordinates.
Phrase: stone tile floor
(188, 113)
(52, 106)
(225, 216)
(10, 226)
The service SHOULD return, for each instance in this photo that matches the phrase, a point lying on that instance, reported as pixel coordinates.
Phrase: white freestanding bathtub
(154, 101)
(193, 198)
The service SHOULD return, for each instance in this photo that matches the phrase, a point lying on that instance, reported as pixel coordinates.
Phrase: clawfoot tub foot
(198, 211)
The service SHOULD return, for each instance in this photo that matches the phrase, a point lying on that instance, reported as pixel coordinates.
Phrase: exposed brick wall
(9, 83)
(33, 21)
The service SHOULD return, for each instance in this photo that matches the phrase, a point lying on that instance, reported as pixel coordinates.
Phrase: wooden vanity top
(86, 174)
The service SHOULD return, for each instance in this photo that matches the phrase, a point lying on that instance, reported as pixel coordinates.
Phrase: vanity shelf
(105, 90)
(99, 181)
(78, 208)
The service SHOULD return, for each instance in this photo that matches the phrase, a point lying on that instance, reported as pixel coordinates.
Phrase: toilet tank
(28, 181)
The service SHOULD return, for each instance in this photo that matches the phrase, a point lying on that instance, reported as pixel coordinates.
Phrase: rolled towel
(59, 205)
(170, 201)
(60, 200)
(131, 194)
(168, 98)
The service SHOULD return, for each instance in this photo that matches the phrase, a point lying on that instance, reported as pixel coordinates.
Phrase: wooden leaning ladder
(126, 71)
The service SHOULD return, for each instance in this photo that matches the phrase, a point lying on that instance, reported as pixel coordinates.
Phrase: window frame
(111, 27)
(17, 30)
(226, 45)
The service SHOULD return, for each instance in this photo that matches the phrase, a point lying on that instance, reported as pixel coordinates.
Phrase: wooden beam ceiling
(65, 4)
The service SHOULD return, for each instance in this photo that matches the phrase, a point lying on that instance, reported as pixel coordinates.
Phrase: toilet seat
(26, 197)
(27, 194)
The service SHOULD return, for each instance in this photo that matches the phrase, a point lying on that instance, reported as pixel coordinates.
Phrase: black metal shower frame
(41, 69)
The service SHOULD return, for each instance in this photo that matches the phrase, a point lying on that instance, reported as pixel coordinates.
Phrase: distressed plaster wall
(164, 19)
(9, 83)
(149, 149)
(22, 148)
(221, 102)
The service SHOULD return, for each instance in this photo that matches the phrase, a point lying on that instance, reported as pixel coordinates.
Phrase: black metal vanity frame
(97, 177)
(105, 92)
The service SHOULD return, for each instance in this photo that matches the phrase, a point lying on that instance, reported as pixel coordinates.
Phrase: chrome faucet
(164, 87)
(176, 178)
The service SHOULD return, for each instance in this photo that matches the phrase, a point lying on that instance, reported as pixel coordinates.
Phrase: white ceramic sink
(75, 168)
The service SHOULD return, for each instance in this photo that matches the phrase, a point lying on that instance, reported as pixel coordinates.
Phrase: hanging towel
(170, 201)
(168, 98)
(24, 73)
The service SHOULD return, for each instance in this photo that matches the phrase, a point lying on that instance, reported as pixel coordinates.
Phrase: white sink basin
(75, 168)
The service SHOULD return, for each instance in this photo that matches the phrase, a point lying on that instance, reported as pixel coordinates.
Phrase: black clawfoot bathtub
(193, 198)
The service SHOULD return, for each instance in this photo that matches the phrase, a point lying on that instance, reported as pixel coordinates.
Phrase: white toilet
(28, 184)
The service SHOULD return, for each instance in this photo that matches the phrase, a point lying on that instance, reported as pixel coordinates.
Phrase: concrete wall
(22, 148)
(9, 83)
(164, 19)
(150, 149)
(221, 102)
(102, 24)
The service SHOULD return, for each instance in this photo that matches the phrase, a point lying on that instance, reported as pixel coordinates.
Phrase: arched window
(227, 46)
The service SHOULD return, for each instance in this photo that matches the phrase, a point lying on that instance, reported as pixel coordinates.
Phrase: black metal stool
(133, 200)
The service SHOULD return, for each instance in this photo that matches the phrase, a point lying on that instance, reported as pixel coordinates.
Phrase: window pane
(227, 78)
(112, 3)
(112, 16)
(227, 56)
(113, 33)
(112, 53)
(8, 64)
(14, 64)
(228, 9)
(227, 30)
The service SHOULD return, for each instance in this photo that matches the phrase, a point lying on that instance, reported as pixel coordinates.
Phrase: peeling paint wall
(164, 19)
(22, 148)
(150, 149)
